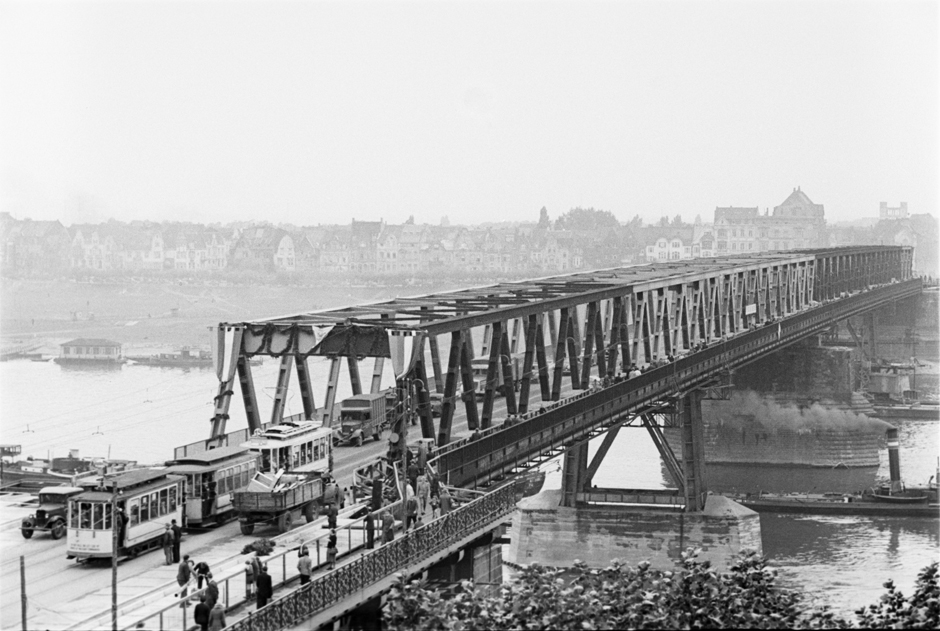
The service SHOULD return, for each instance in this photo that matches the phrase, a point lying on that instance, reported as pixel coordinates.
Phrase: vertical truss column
(527, 361)
(466, 376)
(560, 354)
(280, 393)
(510, 368)
(330, 399)
(665, 452)
(449, 404)
(436, 364)
(492, 373)
(573, 339)
(574, 473)
(613, 321)
(589, 337)
(306, 387)
(600, 343)
(354, 379)
(624, 323)
(541, 360)
(424, 399)
(693, 451)
(248, 394)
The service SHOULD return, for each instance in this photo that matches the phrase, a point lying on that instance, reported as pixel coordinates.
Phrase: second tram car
(294, 447)
(146, 501)
(212, 478)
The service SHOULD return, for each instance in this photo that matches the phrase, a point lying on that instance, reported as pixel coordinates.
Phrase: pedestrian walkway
(152, 597)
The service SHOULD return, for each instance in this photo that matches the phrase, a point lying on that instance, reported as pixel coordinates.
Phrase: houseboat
(94, 351)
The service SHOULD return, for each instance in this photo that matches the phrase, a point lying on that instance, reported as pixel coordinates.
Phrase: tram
(294, 446)
(212, 479)
(146, 501)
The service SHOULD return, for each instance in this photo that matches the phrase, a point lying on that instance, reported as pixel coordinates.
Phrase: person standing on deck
(168, 544)
(304, 566)
(424, 490)
(388, 527)
(265, 589)
(183, 575)
(177, 540)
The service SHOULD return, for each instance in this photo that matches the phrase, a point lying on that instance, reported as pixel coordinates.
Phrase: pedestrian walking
(435, 485)
(331, 516)
(212, 591)
(435, 507)
(168, 544)
(350, 496)
(217, 618)
(331, 550)
(265, 589)
(445, 501)
(388, 527)
(202, 570)
(413, 471)
(177, 540)
(184, 574)
(256, 570)
(370, 531)
(424, 491)
(249, 580)
(201, 614)
(304, 566)
(412, 512)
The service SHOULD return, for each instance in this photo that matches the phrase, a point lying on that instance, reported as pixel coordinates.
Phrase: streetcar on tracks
(296, 461)
(146, 500)
(212, 479)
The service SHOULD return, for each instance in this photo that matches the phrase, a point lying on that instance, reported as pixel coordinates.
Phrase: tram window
(195, 486)
(154, 506)
(283, 458)
(85, 515)
(73, 514)
(316, 451)
(135, 512)
(173, 498)
(145, 508)
(163, 501)
(296, 449)
(107, 517)
(223, 482)
(97, 516)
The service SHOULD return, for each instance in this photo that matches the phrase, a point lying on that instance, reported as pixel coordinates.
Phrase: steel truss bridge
(713, 315)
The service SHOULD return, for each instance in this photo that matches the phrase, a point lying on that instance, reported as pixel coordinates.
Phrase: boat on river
(183, 357)
(837, 504)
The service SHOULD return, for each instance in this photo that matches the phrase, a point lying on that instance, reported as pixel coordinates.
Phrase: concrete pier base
(549, 534)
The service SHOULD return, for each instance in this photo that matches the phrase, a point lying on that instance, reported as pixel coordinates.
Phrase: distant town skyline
(319, 112)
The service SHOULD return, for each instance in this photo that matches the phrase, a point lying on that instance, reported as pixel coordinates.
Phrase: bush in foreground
(695, 595)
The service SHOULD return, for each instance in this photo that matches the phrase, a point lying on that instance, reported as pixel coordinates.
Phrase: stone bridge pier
(597, 525)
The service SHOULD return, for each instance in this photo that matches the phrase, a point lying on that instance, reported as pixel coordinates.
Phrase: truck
(50, 516)
(361, 415)
(277, 503)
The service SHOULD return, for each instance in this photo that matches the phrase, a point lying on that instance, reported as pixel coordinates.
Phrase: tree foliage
(694, 596)
(587, 219)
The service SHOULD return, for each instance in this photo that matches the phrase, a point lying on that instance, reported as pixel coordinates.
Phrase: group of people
(172, 538)
(209, 613)
(258, 584)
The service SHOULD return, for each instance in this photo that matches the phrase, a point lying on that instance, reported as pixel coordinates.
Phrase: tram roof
(211, 457)
(133, 478)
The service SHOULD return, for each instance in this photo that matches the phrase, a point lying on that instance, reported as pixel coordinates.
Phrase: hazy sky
(318, 112)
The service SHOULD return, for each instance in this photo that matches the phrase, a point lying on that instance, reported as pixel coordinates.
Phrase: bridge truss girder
(598, 324)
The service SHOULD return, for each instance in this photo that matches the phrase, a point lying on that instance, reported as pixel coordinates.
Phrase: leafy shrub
(694, 596)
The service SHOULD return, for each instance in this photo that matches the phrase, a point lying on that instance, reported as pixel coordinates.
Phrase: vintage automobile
(50, 516)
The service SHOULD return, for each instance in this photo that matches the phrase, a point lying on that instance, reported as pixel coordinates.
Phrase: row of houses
(359, 247)
(375, 247)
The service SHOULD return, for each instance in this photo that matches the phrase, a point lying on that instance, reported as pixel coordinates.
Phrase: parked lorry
(277, 503)
(50, 516)
(361, 415)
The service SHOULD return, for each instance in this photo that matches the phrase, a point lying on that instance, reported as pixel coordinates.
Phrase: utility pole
(114, 557)
(23, 590)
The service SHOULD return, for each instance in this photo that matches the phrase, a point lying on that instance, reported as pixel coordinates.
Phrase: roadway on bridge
(55, 585)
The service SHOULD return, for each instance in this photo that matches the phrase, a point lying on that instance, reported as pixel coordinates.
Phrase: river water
(142, 412)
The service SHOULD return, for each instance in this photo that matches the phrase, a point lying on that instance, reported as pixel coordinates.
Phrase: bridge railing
(496, 452)
(405, 552)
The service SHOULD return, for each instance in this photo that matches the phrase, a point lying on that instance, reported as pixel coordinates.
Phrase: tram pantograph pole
(114, 555)
(23, 590)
